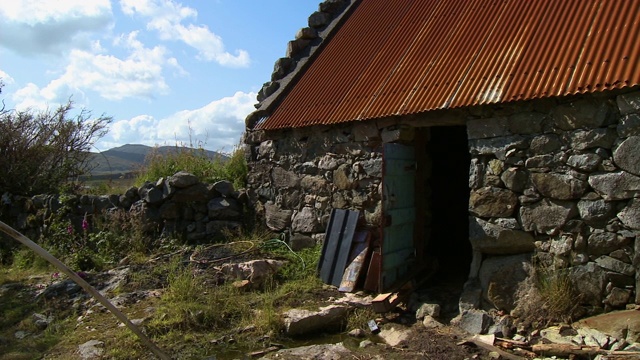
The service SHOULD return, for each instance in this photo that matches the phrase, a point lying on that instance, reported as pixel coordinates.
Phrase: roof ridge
(300, 51)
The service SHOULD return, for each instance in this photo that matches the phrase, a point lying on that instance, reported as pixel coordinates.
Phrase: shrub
(42, 151)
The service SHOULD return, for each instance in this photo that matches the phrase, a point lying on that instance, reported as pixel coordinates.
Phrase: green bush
(43, 151)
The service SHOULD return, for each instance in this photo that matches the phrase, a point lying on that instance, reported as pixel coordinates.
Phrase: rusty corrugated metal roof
(409, 56)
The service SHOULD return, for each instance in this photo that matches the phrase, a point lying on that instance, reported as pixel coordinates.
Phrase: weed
(547, 296)
(359, 318)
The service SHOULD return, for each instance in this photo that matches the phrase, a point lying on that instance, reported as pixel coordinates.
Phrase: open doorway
(449, 202)
(445, 206)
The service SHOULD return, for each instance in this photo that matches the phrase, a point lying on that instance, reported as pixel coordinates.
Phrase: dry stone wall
(297, 176)
(179, 205)
(558, 178)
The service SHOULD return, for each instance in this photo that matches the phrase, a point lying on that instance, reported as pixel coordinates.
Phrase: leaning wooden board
(337, 245)
(357, 258)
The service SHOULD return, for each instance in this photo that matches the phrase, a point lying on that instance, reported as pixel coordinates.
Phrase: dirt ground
(435, 344)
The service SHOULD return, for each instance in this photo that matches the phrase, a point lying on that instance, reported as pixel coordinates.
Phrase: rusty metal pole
(85, 285)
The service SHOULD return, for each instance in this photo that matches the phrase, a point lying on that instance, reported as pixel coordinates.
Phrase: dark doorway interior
(448, 231)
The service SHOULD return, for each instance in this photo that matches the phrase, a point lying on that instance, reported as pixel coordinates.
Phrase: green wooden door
(399, 212)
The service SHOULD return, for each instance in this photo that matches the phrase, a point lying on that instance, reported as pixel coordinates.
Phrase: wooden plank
(388, 301)
(357, 257)
(337, 243)
(373, 273)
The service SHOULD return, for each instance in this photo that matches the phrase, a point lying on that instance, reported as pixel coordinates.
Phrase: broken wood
(565, 350)
(484, 342)
(388, 301)
(511, 344)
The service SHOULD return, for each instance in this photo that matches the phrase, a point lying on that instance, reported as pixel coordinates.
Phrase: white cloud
(166, 17)
(215, 126)
(51, 27)
(139, 75)
(6, 78)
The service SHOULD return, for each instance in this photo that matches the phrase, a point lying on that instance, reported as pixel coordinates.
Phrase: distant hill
(129, 158)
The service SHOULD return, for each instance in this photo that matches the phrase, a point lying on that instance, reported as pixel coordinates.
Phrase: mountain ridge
(129, 158)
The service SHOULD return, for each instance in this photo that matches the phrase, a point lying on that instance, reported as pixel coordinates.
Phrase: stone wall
(179, 205)
(297, 176)
(558, 178)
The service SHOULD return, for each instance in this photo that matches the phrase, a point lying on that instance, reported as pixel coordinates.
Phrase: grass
(192, 316)
(547, 296)
(17, 309)
(195, 161)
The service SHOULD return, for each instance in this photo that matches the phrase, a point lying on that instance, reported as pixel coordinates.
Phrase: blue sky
(168, 72)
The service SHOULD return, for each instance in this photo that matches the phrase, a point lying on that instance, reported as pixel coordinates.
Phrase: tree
(41, 151)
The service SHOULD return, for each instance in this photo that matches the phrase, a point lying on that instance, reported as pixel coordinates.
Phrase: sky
(176, 73)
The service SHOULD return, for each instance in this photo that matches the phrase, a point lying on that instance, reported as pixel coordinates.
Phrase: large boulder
(500, 277)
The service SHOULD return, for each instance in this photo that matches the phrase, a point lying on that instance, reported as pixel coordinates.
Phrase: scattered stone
(300, 241)
(254, 271)
(358, 333)
(473, 321)
(430, 323)
(393, 336)
(312, 352)
(20, 334)
(299, 322)
(92, 349)
(42, 321)
(558, 334)
(427, 309)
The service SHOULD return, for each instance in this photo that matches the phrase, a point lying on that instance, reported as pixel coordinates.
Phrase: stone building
(474, 134)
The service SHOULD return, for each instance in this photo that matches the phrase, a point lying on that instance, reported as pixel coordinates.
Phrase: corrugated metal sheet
(409, 56)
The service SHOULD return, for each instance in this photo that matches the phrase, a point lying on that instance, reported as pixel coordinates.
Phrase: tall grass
(231, 167)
